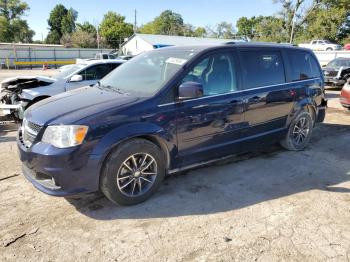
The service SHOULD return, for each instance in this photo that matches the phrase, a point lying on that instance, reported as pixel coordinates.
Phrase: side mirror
(76, 78)
(189, 90)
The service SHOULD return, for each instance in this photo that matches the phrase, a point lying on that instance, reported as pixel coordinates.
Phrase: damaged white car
(19, 93)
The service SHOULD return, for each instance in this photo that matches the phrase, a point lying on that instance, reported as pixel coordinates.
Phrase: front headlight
(65, 136)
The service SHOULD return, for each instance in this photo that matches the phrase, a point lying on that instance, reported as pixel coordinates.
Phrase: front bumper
(334, 81)
(9, 109)
(345, 101)
(59, 172)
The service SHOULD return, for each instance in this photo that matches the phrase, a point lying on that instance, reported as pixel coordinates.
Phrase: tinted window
(97, 72)
(262, 68)
(89, 73)
(303, 65)
(216, 73)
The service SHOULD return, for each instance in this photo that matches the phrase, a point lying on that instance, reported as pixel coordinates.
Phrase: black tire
(119, 170)
(290, 142)
(329, 49)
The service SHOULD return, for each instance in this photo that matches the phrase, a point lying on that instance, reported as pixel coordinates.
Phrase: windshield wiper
(109, 87)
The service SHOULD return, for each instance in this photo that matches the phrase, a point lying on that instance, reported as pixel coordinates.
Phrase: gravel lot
(262, 206)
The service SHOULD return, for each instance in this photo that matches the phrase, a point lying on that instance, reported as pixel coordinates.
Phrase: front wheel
(299, 132)
(133, 172)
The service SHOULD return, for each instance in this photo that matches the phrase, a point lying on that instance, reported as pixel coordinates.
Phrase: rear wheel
(299, 132)
(133, 172)
(329, 49)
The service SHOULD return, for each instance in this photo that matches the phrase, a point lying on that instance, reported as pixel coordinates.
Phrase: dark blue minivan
(168, 110)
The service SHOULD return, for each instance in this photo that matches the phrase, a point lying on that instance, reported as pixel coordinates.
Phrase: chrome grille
(30, 131)
(330, 73)
(34, 127)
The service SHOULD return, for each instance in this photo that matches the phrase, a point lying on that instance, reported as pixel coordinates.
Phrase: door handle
(236, 102)
(254, 99)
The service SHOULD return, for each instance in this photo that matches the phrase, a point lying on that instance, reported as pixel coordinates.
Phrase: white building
(139, 43)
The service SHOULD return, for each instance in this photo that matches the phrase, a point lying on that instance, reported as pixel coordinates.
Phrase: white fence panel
(10, 55)
(324, 57)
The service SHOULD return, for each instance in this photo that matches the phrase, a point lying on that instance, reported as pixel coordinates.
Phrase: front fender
(131, 130)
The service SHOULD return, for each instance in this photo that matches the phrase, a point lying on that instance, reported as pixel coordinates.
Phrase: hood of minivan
(70, 107)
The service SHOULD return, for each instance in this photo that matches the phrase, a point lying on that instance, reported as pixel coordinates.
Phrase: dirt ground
(262, 206)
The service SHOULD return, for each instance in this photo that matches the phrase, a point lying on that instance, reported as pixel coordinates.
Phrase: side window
(303, 65)
(102, 70)
(89, 73)
(113, 66)
(216, 73)
(104, 56)
(262, 68)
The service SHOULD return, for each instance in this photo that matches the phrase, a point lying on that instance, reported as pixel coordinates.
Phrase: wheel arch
(303, 105)
(36, 99)
(146, 131)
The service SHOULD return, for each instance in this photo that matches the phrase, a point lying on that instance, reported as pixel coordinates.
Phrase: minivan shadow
(240, 181)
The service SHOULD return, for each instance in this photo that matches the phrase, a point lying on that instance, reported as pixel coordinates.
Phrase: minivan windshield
(145, 74)
(339, 63)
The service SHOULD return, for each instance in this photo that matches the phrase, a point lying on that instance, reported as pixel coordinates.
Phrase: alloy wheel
(301, 131)
(137, 174)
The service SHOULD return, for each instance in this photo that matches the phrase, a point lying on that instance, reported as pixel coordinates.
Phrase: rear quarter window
(303, 65)
(262, 68)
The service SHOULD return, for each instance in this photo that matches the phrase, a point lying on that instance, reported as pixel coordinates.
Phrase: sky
(197, 12)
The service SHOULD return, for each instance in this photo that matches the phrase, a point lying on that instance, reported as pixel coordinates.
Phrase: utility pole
(135, 21)
(293, 27)
(98, 38)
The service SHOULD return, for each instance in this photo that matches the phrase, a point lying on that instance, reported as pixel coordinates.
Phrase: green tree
(247, 27)
(294, 14)
(114, 29)
(83, 39)
(66, 40)
(330, 20)
(263, 28)
(86, 27)
(68, 21)
(167, 23)
(61, 21)
(12, 27)
(188, 30)
(225, 30)
(270, 29)
(200, 32)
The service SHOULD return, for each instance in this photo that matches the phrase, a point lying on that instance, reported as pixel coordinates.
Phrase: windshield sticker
(176, 61)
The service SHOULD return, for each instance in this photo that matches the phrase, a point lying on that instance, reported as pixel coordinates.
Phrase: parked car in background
(347, 47)
(168, 110)
(337, 72)
(103, 56)
(345, 95)
(126, 57)
(19, 93)
(321, 45)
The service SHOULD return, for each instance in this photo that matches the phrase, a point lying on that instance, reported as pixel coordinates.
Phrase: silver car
(19, 93)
